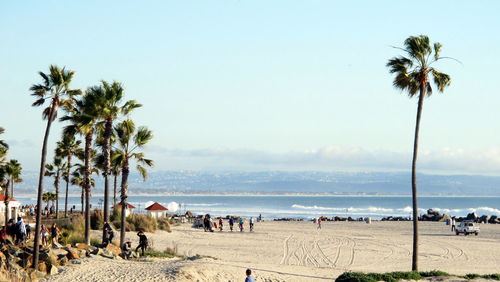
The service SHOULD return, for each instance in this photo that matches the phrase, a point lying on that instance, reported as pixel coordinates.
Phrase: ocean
(305, 207)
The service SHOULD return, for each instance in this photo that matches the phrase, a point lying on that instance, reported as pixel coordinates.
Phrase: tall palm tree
(109, 98)
(67, 148)
(83, 119)
(55, 88)
(129, 141)
(55, 170)
(412, 75)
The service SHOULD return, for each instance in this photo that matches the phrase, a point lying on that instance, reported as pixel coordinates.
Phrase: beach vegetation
(413, 73)
(55, 88)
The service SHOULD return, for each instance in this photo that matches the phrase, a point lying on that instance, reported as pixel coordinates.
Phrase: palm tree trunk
(12, 187)
(83, 199)
(6, 202)
(124, 192)
(421, 97)
(36, 242)
(107, 166)
(88, 174)
(57, 193)
(114, 190)
(67, 187)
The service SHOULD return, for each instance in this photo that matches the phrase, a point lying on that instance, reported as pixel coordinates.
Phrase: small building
(156, 210)
(128, 210)
(13, 211)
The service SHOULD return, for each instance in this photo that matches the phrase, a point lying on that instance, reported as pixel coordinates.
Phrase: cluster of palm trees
(10, 173)
(110, 140)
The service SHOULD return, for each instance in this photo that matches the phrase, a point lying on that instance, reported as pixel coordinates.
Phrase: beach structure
(129, 209)
(13, 211)
(156, 210)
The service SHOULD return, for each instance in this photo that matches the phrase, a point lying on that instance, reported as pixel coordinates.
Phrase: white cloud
(445, 160)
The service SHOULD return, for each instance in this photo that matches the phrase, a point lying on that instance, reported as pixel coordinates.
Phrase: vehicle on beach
(467, 227)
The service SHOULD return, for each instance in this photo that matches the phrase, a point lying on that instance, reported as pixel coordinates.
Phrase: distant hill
(278, 182)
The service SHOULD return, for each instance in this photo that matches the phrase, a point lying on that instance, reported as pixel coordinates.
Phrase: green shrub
(164, 224)
(433, 273)
(142, 222)
(355, 277)
(96, 220)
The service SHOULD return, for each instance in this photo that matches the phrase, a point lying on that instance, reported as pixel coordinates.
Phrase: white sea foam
(202, 205)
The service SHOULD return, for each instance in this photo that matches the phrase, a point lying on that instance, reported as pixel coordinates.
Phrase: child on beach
(241, 224)
(220, 224)
(251, 224)
(319, 223)
(249, 276)
(231, 223)
(45, 235)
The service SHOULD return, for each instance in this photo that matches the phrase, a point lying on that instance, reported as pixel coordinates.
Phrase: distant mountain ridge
(281, 182)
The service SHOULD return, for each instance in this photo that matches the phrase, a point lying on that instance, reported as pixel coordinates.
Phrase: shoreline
(286, 195)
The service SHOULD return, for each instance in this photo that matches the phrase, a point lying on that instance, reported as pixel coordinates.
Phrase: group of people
(143, 245)
(209, 225)
(51, 233)
(19, 230)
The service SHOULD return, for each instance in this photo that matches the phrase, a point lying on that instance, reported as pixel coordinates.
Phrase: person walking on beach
(241, 224)
(249, 276)
(319, 223)
(143, 242)
(453, 224)
(220, 224)
(251, 224)
(54, 233)
(231, 223)
(28, 230)
(44, 234)
(20, 231)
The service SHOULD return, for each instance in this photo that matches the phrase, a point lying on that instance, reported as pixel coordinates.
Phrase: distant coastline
(284, 195)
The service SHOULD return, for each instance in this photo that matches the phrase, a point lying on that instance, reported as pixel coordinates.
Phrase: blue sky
(258, 85)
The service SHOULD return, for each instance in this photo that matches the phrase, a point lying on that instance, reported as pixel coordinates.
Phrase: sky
(264, 85)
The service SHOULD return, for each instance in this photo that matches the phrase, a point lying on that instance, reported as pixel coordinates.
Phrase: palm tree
(3, 147)
(129, 140)
(83, 119)
(48, 197)
(55, 170)
(12, 170)
(109, 98)
(67, 148)
(55, 88)
(413, 73)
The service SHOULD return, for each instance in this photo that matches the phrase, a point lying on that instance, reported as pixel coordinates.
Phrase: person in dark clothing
(143, 242)
(126, 250)
(28, 230)
(110, 234)
(231, 223)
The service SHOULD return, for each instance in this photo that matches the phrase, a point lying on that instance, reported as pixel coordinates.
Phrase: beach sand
(298, 251)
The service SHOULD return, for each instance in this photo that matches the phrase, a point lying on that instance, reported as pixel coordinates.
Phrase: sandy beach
(298, 251)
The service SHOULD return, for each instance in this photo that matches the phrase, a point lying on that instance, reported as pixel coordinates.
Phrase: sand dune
(298, 251)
